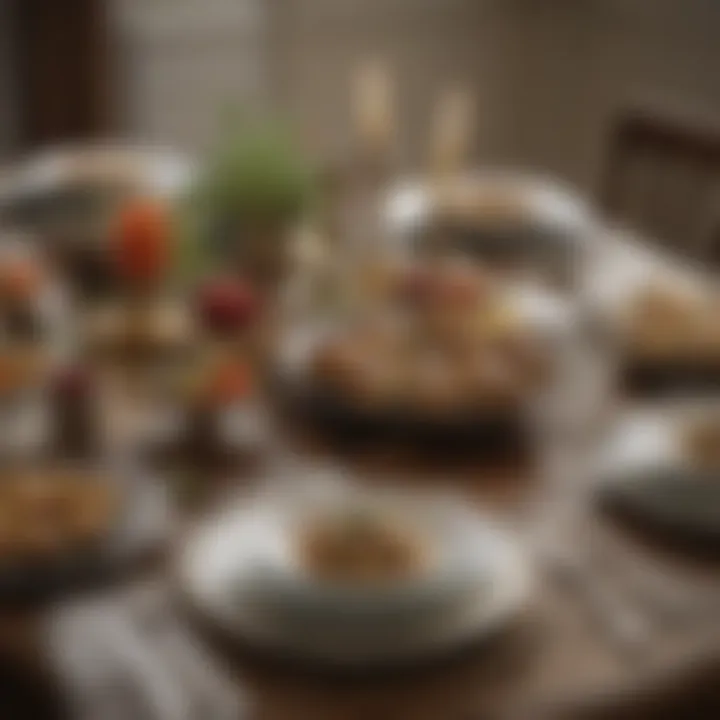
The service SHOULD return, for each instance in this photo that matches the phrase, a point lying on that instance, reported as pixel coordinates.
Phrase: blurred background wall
(182, 62)
(580, 62)
(7, 91)
(548, 76)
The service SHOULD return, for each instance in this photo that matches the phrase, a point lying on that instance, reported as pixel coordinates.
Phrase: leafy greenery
(256, 178)
(257, 175)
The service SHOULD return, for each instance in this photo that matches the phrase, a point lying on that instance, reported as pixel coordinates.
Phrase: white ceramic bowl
(241, 569)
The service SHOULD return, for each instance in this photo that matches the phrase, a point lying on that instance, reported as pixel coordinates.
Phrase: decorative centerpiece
(142, 327)
(215, 398)
(447, 357)
(247, 202)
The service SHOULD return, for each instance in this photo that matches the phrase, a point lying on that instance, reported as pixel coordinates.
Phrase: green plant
(256, 180)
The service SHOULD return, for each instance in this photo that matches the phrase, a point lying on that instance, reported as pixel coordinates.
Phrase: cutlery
(216, 696)
(628, 630)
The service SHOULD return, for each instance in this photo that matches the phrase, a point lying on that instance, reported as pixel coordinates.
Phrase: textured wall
(183, 62)
(429, 44)
(578, 62)
(548, 74)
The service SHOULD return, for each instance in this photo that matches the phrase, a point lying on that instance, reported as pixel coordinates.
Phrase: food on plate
(702, 441)
(220, 382)
(74, 191)
(22, 281)
(471, 202)
(457, 347)
(71, 201)
(141, 325)
(362, 546)
(45, 513)
(665, 322)
(218, 386)
(109, 169)
(22, 367)
(140, 333)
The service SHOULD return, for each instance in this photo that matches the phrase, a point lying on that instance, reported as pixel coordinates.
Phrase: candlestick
(374, 112)
(451, 131)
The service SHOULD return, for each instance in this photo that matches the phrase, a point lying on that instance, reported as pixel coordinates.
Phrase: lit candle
(452, 127)
(374, 114)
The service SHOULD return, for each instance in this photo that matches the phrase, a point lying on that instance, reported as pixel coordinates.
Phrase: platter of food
(66, 526)
(658, 322)
(449, 354)
(355, 577)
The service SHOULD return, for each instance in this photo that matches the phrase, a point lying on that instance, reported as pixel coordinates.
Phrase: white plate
(226, 564)
(625, 266)
(645, 440)
(158, 170)
(551, 206)
(639, 441)
(645, 476)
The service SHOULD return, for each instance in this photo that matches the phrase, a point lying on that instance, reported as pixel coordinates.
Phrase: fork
(628, 629)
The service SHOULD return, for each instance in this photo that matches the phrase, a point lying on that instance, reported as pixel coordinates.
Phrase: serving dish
(657, 319)
(246, 571)
(498, 214)
(462, 368)
(57, 187)
(660, 469)
(68, 526)
(68, 197)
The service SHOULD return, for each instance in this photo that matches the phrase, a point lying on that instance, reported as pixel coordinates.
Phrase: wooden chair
(663, 177)
(712, 248)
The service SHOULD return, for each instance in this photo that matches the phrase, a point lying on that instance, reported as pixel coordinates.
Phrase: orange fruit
(143, 240)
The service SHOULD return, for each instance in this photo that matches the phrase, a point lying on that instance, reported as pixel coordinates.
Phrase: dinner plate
(626, 266)
(158, 170)
(643, 476)
(140, 524)
(240, 570)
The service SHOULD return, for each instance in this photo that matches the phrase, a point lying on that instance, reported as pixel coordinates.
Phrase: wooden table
(556, 662)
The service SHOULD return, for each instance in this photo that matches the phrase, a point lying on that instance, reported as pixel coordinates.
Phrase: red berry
(73, 382)
(227, 305)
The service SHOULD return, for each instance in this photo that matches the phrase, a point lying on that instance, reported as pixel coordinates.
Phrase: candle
(452, 127)
(374, 115)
